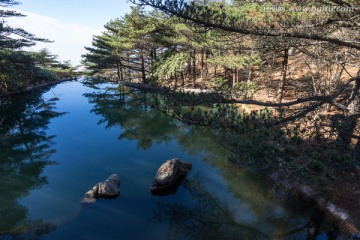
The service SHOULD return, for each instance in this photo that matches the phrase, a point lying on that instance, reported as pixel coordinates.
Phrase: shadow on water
(207, 219)
(25, 150)
(136, 115)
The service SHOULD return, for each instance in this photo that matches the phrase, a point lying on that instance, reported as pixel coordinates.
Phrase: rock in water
(168, 174)
(108, 189)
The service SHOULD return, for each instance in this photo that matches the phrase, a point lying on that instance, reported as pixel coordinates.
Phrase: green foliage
(45, 75)
(229, 60)
(43, 58)
(128, 46)
(218, 84)
(170, 63)
(19, 69)
(16, 69)
(245, 89)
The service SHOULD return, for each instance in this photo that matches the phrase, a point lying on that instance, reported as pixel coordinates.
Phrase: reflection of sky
(215, 184)
(88, 153)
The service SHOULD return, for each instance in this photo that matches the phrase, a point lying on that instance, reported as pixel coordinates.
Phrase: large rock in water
(169, 173)
(108, 189)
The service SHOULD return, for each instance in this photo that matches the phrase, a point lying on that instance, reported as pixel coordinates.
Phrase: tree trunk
(176, 81)
(235, 77)
(129, 70)
(194, 68)
(346, 126)
(143, 73)
(280, 93)
(155, 54)
(349, 122)
(357, 149)
(354, 100)
(189, 63)
(121, 73)
(118, 70)
(183, 79)
(202, 64)
(250, 77)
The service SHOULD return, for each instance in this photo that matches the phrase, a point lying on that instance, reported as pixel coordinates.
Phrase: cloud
(69, 38)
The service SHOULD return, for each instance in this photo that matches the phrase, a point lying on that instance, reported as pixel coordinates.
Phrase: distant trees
(19, 68)
(16, 68)
(128, 47)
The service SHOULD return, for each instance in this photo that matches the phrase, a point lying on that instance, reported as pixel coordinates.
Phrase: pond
(58, 143)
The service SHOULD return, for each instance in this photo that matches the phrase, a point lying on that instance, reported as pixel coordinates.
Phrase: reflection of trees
(133, 113)
(25, 149)
(207, 219)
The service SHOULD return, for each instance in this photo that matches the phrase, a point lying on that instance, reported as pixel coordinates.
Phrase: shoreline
(38, 86)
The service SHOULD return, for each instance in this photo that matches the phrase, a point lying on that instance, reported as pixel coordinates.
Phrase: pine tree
(23, 39)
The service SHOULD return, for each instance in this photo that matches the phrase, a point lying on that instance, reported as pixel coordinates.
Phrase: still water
(57, 143)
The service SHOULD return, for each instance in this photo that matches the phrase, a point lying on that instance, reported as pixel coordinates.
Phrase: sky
(69, 23)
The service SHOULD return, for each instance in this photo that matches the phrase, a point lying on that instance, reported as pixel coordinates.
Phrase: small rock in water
(168, 174)
(108, 189)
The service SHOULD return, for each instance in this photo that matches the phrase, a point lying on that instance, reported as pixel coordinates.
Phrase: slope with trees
(294, 66)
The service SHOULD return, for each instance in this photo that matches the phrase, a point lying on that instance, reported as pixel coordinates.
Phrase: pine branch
(216, 20)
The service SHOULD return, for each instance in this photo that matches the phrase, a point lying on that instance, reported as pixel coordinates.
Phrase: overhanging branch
(202, 21)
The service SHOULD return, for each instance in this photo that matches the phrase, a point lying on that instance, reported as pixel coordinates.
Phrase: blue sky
(94, 13)
(70, 23)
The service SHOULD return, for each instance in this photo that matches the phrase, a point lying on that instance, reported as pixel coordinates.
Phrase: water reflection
(257, 214)
(132, 112)
(25, 149)
(209, 218)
